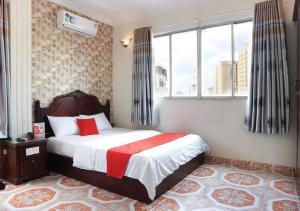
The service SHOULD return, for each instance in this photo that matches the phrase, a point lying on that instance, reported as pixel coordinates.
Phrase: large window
(208, 62)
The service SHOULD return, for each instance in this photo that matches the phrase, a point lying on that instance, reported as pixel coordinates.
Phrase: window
(162, 66)
(220, 56)
(242, 57)
(216, 61)
(184, 64)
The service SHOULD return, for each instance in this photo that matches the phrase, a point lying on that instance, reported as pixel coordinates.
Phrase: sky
(215, 47)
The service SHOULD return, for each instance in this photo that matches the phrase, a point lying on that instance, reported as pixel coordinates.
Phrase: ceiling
(116, 12)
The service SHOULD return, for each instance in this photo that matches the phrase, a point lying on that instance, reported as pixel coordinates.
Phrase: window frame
(199, 29)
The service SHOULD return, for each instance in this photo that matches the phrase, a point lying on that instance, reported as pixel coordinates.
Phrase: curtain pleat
(5, 68)
(268, 101)
(143, 111)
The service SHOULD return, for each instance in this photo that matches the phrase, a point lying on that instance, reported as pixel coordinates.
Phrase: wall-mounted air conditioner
(74, 23)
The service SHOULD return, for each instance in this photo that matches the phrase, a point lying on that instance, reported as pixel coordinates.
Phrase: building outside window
(219, 69)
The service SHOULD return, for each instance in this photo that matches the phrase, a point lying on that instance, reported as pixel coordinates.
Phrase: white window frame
(199, 62)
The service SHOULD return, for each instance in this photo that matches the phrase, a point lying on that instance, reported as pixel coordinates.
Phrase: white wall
(219, 122)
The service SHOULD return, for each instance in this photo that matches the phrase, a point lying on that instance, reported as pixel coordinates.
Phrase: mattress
(150, 167)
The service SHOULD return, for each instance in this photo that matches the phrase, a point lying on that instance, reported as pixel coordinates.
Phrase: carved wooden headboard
(71, 104)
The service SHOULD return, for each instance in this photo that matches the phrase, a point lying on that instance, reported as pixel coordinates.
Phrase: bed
(149, 174)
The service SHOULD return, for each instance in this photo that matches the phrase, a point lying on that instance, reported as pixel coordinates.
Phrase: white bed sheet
(66, 145)
(150, 167)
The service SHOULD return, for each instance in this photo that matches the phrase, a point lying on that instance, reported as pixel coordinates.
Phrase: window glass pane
(216, 60)
(184, 64)
(162, 66)
(242, 55)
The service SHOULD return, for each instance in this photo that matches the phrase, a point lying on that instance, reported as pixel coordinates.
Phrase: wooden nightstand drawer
(32, 166)
(31, 151)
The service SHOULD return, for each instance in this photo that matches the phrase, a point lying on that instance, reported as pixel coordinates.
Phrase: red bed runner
(117, 158)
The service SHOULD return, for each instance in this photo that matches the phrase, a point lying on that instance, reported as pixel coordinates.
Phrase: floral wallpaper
(63, 61)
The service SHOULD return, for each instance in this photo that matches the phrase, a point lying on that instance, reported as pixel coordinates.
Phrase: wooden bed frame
(76, 103)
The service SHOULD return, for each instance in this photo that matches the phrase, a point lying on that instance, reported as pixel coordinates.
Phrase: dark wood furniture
(1, 159)
(2, 183)
(2, 166)
(77, 103)
(24, 160)
(129, 187)
(71, 104)
(296, 18)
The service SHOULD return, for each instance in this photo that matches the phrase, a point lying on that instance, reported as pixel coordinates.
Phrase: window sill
(230, 98)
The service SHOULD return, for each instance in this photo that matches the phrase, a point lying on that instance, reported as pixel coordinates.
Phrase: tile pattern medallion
(233, 197)
(32, 198)
(243, 179)
(70, 206)
(102, 195)
(186, 186)
(208, 188)
(285, 186)
(285, 205)
(204, 172)
(71, 183)
(161, 204)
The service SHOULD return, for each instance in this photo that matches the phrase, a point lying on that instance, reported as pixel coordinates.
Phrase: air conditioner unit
(74, 23)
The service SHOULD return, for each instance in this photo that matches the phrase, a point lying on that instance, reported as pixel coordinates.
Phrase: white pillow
(63, 126)
(101, 121)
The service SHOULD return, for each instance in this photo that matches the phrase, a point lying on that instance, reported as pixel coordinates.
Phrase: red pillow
(87, 127)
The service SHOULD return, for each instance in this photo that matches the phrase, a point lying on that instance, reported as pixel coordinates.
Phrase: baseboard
(250, 165)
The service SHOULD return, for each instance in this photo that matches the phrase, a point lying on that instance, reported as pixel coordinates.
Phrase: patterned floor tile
(208, 188)
(242, 179)
(204, 172)
(11, 188)
(283, 204)
(233, 198)
(69, 183)
(186, 186)
(104, 196)
(161, 204)
(31, 198)
(285, 186)
(73, 205)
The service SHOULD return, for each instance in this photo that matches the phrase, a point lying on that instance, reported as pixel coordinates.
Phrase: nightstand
(24, 160)
(1, 159)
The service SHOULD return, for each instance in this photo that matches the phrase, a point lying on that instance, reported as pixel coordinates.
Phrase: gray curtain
(268, 101)
(143, 111)
(5, 67)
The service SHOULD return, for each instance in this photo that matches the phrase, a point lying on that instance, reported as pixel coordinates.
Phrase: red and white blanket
(118, 157)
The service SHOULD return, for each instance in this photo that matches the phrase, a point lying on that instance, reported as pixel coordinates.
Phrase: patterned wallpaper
(63, 61)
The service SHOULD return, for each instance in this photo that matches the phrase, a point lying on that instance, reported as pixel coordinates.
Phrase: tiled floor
(210, 187)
